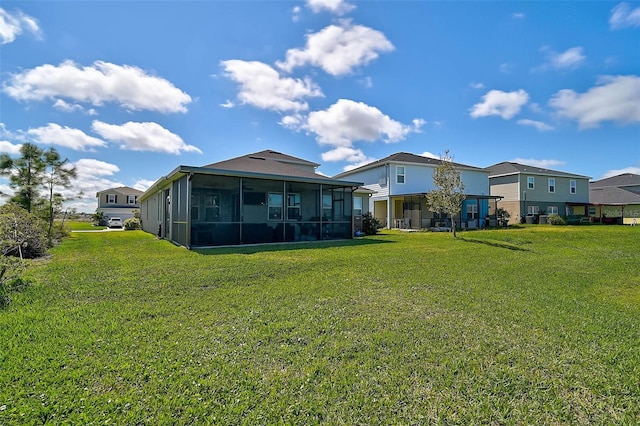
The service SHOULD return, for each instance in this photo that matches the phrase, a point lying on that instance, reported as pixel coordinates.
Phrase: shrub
(132, 223)
(370, 224)
(21, 233)
(555, 219)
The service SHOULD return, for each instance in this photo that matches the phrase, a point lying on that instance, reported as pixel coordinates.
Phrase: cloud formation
(570, 59)
(347, 121)
(261, 86)
(14, 24)
(7, 147)
(614, 98)
(538, 163)
(128, 86)
(622, 16)
(338, 49)
(337, 7)
(147, 136)
(502, 104)
(539, 125)
(76, 139)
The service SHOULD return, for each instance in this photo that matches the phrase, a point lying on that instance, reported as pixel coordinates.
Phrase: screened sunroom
(265, 197)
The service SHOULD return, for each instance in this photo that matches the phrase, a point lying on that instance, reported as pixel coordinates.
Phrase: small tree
(448, 195)
(370, 224)
(25, 174)
(57, 173)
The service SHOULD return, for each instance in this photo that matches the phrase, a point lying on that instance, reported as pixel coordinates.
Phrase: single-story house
(264, 197)
(532, 192)
(400, 183)
(118, 202)
(615, 199)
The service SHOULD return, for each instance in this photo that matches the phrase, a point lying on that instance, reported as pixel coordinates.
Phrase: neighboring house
(615, 199)
(401, 182)
(118, 202)
(265, 197)
(534, 191)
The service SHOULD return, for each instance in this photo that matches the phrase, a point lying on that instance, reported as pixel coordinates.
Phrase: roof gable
(626, 179)
(510, 168)
(406, 157)
(124, 190)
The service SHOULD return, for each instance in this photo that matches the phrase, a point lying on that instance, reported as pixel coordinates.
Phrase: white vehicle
(114, 222)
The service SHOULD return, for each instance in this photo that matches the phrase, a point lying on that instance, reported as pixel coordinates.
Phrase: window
(357, 206)
(552, 185)
(211, 207)
(531, 182)
(195, 206)
(552, 210)
(399, 174)
(472, 211)
(572, 186)
(293, 207)
(111, 198)
(131, 199)
(275, 206)
(327, 206)
(533, 209)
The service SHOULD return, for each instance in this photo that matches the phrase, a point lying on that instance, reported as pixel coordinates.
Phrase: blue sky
(127, 91)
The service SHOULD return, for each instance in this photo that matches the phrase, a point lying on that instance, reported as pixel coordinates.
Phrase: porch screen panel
(263, 211)
(337, 208)
(215, 210)
(303, 212)
(179, 211)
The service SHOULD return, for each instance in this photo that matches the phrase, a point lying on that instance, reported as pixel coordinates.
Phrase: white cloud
(614, 98)
(295, 13)
(7, 147)
(622, 16)
(338, 49)
(475, 85)
(539, 125)
(611, 173)
(61, 105)
(506, 68)
(55, 134)
(366, 82)
(343, 153)
(147, 136)
(143, 184)
(128, 86)
(261, 86)
(14, 24)
(503, 104)
(93, 167)
(228, 104)
(337, 7)
(571, 58)
(430, 155)
(538, 163)
(518, 15)
(348, 121)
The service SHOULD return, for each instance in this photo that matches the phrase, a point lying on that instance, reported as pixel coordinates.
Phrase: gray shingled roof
(626, 179)
(405, 157)
(510, 168)
(613, 196)
(270, 163)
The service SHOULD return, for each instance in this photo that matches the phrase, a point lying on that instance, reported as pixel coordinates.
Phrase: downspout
(353, 222)
(390, 201)
(321, 208)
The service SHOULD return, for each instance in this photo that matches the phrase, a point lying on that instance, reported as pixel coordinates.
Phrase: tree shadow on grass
(271, 247)
(494, 244)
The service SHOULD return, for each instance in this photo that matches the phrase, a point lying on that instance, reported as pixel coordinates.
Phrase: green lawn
(539, 325)
(83, 226)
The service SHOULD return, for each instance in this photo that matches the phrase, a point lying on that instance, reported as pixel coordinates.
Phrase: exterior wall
(122, 213)
(562, 194)
(151, 213)
(505, 186)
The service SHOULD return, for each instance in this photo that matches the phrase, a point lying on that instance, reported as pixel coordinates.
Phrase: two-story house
(530, 191)
(400, 183)
(118, 202)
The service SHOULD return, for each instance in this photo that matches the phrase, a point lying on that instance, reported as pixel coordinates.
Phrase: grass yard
(539, 325)
(83, 226)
